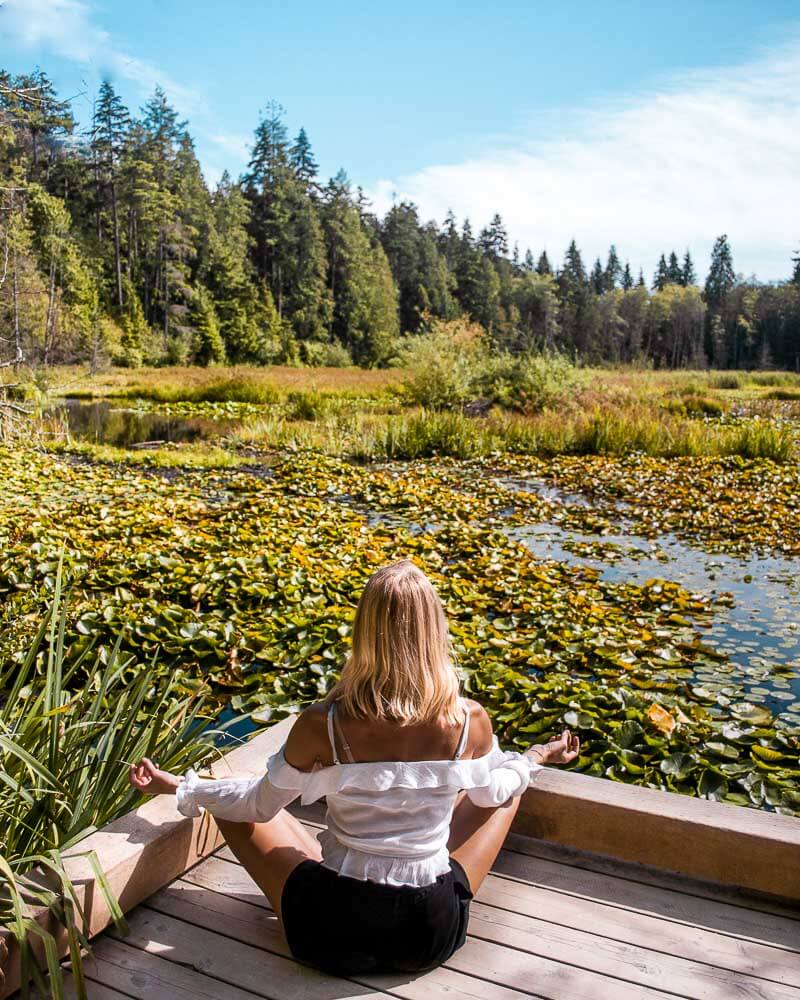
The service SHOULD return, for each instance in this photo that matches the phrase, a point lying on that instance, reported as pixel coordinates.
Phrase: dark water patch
(103, 422)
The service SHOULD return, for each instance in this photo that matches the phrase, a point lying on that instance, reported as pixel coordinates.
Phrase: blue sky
(652, 125)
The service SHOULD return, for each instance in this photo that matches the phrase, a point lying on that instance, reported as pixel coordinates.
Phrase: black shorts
(345, 925)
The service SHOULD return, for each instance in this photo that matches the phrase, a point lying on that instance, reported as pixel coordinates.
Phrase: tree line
(113, 248)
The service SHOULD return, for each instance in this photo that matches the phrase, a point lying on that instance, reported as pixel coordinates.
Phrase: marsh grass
(67, 736)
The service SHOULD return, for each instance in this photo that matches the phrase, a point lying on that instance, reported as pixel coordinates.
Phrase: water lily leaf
(766, 753)
(723, 750)
(748, 712)
(661, 719)
(712, 785)
(679, 765)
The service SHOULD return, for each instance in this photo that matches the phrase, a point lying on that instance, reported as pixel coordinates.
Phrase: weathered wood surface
(538, 928)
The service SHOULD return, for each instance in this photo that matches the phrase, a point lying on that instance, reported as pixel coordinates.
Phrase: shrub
(531, 383)
(726, 381)
(308, 404)
(786, 395)
(327, 354)
(445, 365)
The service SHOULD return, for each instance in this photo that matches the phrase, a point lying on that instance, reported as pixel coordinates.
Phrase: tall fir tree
(613, 271)
(688, 276)
(543, 264)
(721, 277)
(627, 277)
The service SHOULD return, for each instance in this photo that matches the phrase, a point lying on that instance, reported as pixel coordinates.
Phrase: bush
(326, 355)
(308, 404)
(530, 383)
(446, 365)
(786, 395)
(727, 381)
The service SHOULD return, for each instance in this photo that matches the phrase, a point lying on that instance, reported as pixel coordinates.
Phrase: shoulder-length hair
(401, 665)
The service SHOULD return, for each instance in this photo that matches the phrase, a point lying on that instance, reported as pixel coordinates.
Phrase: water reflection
(104, 422)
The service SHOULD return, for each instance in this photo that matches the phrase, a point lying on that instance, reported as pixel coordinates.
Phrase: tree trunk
(117, 261)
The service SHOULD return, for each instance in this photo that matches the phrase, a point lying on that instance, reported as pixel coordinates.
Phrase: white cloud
(65, 28)
(702, 154)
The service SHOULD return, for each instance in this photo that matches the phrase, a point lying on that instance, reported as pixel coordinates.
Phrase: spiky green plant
(67, 737)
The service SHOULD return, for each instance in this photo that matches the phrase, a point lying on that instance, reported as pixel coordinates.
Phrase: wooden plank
(635, 964)
(232, 880)
(257, 925)
(750, 848)
(94, 991)
(638, 873)
(739, 955)
(755, 925)
(234, 963)
(595, 950)
(118, 965)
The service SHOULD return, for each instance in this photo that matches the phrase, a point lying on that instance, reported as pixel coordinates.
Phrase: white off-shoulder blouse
(387, 821)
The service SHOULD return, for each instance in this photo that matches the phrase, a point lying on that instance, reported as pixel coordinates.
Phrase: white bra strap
(330, 733)
(462, 743)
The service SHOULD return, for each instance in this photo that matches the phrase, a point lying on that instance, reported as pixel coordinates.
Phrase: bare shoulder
(307, 743)
(481, 735)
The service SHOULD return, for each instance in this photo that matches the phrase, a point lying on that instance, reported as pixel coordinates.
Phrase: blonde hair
(401, 665)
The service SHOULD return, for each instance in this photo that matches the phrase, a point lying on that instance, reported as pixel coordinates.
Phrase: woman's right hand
(561, 750)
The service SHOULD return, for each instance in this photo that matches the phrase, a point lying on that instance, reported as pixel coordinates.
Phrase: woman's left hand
(146, 777)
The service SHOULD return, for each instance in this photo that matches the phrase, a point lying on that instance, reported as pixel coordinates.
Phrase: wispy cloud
(66, 28)
(696, 156)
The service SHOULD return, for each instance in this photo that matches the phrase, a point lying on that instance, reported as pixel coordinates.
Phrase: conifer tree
(302, 158)
(528, 262)
(721, 277)
(688, 276)
(661, 277)
(493, 240)
(627, 277)
(109, 132)
(613, 271)
(598, 278)
(543, 264)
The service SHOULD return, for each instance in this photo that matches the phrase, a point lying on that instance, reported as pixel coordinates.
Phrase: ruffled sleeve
(509, 774)
(242, 800)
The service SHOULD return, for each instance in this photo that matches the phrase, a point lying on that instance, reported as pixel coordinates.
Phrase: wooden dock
(604, 891)
(547, 923)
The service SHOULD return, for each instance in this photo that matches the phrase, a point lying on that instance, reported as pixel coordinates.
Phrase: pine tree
(598, 278)
(573, 265)
(661, 277)
(688, 276)
(543, 264)
(674, 270)
(627, 277)
(302, 158)
(493, 241)
(528, 263)
(209, 346)
(796, 271)
(109, 132)
(613, 271)
(721, 277)
(640, 280)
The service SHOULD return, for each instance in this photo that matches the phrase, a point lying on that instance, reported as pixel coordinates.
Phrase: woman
(420, 797)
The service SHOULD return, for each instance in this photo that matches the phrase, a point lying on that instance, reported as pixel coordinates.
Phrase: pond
(111, 423)
(756, 624)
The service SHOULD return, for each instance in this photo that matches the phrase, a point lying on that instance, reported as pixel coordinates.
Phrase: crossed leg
(477, 835)
(270, 852)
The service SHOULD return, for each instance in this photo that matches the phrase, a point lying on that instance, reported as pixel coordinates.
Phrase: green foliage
(445, 365)
(71, 723)
(531, 383)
